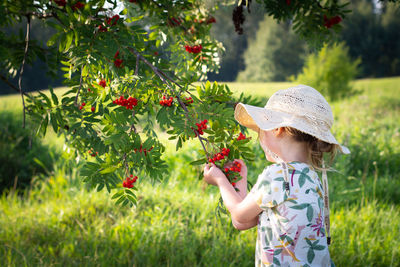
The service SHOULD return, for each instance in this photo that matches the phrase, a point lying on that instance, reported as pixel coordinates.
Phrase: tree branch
(137, 66)
(21, 72)
(159, 74)
(12, 86)
(79, 89)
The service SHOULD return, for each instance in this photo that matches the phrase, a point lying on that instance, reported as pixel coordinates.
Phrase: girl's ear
(279, 131)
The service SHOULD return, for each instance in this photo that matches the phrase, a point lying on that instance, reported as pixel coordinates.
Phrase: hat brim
(257, 118)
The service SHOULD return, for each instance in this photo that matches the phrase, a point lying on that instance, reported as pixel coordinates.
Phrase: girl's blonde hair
(315, 147)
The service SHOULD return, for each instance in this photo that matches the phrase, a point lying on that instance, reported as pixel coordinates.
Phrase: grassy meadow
(60, 222)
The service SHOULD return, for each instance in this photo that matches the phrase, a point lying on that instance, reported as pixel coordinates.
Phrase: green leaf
(179, 143)
(119, 193)
(53, 39)
(53, 122)
(198, 162)
(109, 169)
(53, 96)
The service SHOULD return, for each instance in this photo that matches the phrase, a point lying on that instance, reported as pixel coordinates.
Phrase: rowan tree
(127, 62)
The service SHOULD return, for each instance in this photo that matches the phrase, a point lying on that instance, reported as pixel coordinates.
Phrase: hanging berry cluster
(92, 153)
(129, 103)
(219, 156)
(207, 21)
(331, 21)
(82, 105)
(129, 181)
(141, 149)
(166, 102)
(103, 83)
(174, 22)
(200, 127)
(188, 100)
(241, 137)
(117, 60)
(60, 2)
(113, 20)
(231, 172)
(195, 49)
(77, 5)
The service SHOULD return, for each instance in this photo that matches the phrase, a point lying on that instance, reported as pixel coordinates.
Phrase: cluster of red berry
(188, 100)
(224, 153)
(82, 105)
(129, 181)
(332, 21)
(133, 1)
(117, 60)
(129, 102)
(60, 2)
(77, 5)
(207, 21)
(113, 20)
(166, 102)
(101, 28)
(174, 22)
(200, 127)
(93, 108)
(92, 153)
(194, 49)
(237, 167)
(63, 3)
(143, 150)
(102, 83)
(241, 137)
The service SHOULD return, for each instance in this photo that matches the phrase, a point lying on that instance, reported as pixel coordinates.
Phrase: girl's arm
(242, 211)
(242, 186)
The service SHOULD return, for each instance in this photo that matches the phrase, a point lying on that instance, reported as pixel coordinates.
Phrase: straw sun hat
(300, 107)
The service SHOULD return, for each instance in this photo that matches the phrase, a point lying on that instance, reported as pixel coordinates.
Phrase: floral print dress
(291, 229)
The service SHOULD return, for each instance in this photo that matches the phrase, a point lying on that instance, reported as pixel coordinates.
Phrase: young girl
(289, 203)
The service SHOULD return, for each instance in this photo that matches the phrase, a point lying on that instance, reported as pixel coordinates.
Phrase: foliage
(232, 60)
(22, 156)
(373, 36)
(120, 59)
(330, 71)
(275, 54)
(311, 19)
(59, 222)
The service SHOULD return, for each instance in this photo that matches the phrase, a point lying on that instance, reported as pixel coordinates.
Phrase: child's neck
(292, 151)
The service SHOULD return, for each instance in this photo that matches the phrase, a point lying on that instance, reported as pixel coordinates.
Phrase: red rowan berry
(102, 83)
(77, 5)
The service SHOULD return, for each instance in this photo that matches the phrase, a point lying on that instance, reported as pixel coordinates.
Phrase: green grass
(62, 223)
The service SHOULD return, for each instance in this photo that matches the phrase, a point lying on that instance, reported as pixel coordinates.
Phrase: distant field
(61, 223)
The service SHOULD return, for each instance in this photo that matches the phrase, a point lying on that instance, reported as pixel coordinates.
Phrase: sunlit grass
(61, 223)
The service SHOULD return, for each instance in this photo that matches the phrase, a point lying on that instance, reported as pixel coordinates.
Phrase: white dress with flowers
(291, 231)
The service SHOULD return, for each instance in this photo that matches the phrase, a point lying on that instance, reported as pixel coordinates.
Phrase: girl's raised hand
(212, 174)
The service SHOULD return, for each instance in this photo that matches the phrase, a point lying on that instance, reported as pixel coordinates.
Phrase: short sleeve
(269, 190)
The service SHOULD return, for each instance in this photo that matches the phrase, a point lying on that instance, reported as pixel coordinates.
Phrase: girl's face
(268, 142)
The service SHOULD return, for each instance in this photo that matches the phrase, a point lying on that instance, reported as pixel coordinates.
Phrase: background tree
(330, 70)
(232, 60)
(372, 33)
(274, 54)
